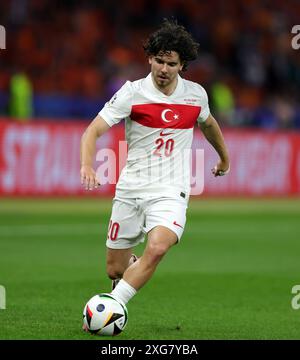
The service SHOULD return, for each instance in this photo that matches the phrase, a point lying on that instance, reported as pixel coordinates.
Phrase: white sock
(123, 292)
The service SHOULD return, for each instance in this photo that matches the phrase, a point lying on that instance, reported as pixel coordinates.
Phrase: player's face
(165, 68)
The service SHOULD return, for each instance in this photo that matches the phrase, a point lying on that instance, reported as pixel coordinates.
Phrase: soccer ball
(104, 315)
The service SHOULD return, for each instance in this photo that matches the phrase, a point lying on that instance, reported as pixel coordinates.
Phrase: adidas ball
(104, 315)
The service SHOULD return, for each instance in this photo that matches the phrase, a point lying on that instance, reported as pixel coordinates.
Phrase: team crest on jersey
(169, 115)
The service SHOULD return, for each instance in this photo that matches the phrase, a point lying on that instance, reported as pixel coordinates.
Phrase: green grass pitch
(230, 278)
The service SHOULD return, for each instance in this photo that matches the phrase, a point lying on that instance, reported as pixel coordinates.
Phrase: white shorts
(131, 219)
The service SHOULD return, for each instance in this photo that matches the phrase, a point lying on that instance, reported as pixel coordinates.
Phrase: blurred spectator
(222, 103)
(20, 103)
(285, 112)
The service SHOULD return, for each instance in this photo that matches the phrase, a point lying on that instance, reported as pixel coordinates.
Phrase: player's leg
(160, 240)
(165, 221)
(124, 232)
(117, 261)
(133, 258)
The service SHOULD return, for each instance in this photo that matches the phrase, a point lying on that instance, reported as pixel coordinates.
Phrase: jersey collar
(151, 87)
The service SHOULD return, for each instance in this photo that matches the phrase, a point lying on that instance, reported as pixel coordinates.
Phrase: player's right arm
(88, 149)
(118, 108)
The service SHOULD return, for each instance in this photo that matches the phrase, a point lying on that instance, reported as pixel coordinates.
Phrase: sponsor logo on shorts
(175, 223)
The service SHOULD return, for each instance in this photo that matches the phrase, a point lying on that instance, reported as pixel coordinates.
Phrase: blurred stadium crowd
(69, 57)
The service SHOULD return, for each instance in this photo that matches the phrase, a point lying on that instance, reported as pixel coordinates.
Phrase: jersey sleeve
(119, 106)
(204, 113)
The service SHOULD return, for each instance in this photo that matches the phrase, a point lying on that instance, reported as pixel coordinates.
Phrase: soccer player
(152, 193)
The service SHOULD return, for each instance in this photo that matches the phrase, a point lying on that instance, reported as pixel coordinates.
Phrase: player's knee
(156, 250)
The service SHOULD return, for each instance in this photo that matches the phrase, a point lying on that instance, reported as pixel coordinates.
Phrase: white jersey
(159, 133)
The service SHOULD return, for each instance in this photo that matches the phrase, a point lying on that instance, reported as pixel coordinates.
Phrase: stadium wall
(42, 159)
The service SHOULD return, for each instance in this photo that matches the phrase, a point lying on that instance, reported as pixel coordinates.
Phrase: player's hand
(88, 177)
(221, 169)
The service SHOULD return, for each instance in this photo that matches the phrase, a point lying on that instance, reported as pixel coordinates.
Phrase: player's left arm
(213, 134)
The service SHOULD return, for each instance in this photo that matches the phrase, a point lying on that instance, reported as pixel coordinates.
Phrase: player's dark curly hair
(172, 37)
